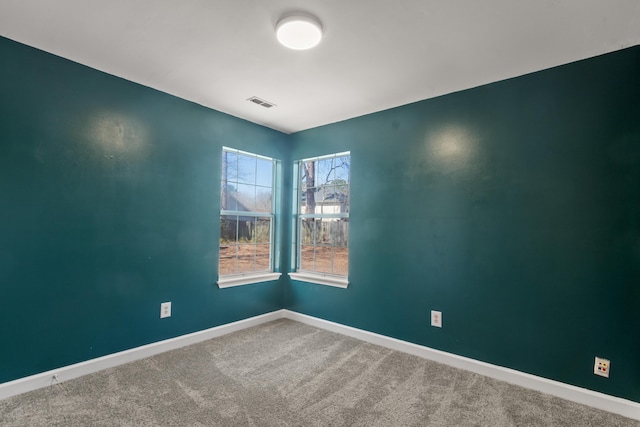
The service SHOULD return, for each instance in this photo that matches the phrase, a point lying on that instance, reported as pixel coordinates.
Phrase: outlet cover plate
(165, 310)
(602, 367)
(436, 318)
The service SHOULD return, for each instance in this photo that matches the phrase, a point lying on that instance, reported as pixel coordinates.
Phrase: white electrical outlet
(602, 367)
(165, 310)
(436, 318)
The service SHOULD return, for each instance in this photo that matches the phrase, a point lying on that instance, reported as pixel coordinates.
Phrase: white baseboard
(45, 379)
(616, 405)
(584, 396)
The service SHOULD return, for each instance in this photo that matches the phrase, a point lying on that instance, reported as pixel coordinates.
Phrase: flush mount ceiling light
(299, 31)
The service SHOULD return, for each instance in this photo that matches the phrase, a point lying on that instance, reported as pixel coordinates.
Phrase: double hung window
(322, 244)
(246, 218)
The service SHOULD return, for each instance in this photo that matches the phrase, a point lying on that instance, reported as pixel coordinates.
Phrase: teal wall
(514, 208)
(109, 205)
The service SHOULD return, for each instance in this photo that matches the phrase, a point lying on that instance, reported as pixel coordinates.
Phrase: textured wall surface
(109, 205)
(514, 208)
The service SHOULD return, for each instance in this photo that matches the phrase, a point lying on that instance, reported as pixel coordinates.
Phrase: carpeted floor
(285, 373)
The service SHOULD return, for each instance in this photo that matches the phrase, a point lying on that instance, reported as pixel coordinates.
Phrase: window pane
(308, 174)
(229, 166)
(246, 229)
(325, 172)
(307, 255)
(341, 232)
(246, 198)
(323, 259)
(247, 169)
(246, 258)
(342, 167)
(228, 196)
(263, 199)
(264, 176)
(227, 259)
(263, 230)
(323, 194)
(228, 229)
(329, 200)
(340, 261)
(307, 231)
(344, 204)
(309, 201)
(323, 231)
(262, 258)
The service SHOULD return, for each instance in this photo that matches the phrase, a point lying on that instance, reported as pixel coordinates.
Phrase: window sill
(321, 279)
(246, 279)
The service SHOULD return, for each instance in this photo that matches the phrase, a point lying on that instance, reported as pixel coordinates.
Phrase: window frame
(245, 278)
(329, 279)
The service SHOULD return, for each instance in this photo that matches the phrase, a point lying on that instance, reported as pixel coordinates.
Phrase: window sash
(321, 249)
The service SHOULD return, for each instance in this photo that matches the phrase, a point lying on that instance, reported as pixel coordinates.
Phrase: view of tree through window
(323, 214)
(246, 214)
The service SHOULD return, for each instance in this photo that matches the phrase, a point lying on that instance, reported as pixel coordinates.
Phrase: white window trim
(246, 279)
(320, 279)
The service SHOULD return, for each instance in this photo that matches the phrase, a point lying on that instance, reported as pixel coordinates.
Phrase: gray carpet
(285, 373)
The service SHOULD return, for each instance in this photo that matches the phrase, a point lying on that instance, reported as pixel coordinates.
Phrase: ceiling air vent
(262, 102)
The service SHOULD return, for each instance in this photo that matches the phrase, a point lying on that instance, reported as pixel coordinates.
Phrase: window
(246, 218)
(322, 246)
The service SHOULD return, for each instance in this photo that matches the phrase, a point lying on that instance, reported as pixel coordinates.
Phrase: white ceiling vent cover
(265, 104)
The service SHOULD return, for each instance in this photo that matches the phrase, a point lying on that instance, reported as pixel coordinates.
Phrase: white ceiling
(376, 54)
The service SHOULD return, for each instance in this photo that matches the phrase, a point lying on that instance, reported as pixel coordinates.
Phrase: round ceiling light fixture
(299, 31)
